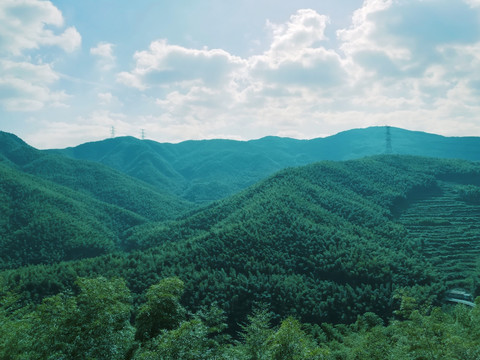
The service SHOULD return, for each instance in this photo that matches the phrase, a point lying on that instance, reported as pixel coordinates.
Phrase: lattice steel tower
(388, 141)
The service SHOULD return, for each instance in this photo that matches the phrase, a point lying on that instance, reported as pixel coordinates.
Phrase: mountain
(89, 253)
(96, 180)
(54, 208)
(202, 171)
(323, 242)
(42, 222)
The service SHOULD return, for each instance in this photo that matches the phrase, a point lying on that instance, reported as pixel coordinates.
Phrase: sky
(70, 71)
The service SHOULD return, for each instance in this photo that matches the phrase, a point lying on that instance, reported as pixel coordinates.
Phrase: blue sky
(70, 70)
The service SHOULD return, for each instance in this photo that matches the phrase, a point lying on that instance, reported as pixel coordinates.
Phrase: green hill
(202, 171)
(42, 222)
(330, 242)
(96, 180)
(446, 225)
(55, 208)
(320, 242)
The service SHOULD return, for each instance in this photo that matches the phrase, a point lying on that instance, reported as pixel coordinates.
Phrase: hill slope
(42, 222)
(319, 242)
(446, 225)
(208, 170)
(54, 208)
(96, 180)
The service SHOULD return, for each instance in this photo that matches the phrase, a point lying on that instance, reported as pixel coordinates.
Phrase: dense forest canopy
(372, 243)
(95, 322)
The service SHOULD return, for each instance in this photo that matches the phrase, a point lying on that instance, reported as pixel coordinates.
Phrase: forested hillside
(42, 222)
(203, 171)
(319, 242)
(92, 179)
(446, 225)
(96, 323)
(54, 208)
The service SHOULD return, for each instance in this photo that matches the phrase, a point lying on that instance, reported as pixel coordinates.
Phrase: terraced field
(448, 231)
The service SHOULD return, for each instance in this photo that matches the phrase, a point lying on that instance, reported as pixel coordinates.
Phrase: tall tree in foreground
(162, 309)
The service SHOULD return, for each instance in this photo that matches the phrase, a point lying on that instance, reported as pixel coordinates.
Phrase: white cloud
(27, 24)
(131, 80)
(473, 3)
(358, 36)
(305, 29)
(104, 52)
(164, 64)
(108, 100)
(410, 64)
(296, 56)
(25, 86)
(105, 98)
(402, 38)
(390, 67)
(42, 73)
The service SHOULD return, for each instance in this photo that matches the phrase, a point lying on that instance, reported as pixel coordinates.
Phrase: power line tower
(388, 140)
(143, 134)
(112, 132)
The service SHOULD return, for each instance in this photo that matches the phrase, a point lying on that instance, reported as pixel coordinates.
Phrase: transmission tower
(143, 134)
(388, 141)
(112, 132)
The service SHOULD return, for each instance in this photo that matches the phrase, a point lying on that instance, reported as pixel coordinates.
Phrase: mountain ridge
(55, 208)
(204, 170)
(92, 178)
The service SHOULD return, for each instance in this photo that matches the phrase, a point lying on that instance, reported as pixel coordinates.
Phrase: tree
(92, 325)
(187, 342)
(290, 342)
(256, 335)
(14, 325)
(162, 309)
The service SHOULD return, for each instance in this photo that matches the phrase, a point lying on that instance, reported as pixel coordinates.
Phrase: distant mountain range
(206, 170)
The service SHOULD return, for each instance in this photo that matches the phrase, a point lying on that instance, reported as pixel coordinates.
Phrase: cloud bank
(412, 64)
(404, 63)
(27, 25)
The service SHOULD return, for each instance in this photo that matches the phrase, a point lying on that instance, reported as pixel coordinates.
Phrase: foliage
(95, 324)
(162, 309)
(91, 325)
(319, 243)
(469, 193)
